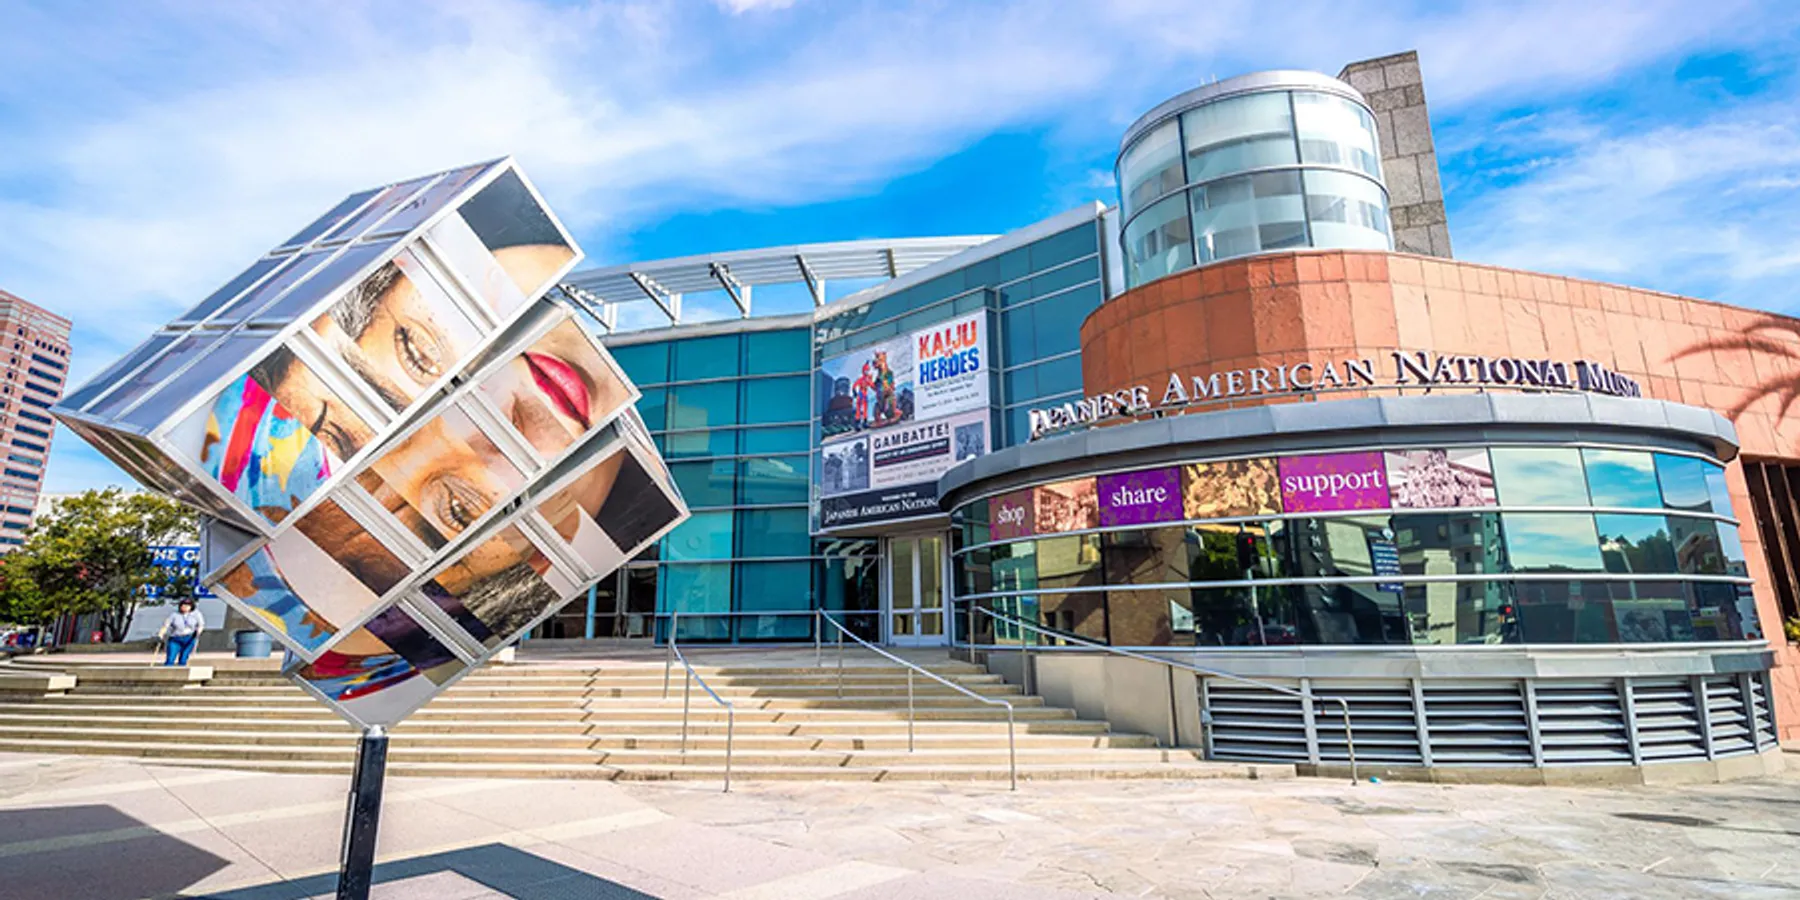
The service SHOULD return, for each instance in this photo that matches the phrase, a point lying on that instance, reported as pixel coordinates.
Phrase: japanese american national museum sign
(405, 454)
(1418, 370)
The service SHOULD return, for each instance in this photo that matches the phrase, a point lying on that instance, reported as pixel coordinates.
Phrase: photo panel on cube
(258, 450)
(445, 476)
(496, 588)
(558, 389)
(380, 673)
(610, 510)
(398, 331)
(504, 244)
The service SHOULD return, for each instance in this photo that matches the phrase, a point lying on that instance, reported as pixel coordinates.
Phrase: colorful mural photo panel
(261, 452)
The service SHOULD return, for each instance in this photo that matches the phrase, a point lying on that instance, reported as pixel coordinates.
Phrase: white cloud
(1701, 208)
(739, 7)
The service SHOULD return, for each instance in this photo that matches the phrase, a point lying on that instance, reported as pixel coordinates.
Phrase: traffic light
(1247, 551)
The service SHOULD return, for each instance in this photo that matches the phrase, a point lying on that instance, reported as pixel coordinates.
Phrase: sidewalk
(104, 829)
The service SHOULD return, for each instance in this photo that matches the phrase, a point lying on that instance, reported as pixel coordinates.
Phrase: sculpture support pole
(363, 816)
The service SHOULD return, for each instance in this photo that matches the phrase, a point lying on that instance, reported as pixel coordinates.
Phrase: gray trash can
(252, 644)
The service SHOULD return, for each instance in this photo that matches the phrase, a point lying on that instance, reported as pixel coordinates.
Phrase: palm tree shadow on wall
(1771, 337)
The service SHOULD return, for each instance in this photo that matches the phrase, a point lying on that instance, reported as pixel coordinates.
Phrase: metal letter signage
(1410, 369)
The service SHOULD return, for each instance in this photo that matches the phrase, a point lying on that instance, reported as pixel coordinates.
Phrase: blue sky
(149, 149)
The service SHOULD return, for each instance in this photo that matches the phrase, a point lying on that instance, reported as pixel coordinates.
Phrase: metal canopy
(663, 282)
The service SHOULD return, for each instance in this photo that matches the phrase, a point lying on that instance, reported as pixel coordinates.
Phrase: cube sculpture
(405, 455)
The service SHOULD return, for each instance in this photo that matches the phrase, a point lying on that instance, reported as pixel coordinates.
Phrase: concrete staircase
(608, 721)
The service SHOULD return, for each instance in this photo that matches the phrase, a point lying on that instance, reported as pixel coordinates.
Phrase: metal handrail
(687, 695)
(1012, 751)
(1349, 737)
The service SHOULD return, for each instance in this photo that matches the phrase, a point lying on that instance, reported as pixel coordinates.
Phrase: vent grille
(1381, 717)
(1477, 723)
(1582, 722)
(1256, 724)
(1761, 714)
(1668, 721)
(1487, 722)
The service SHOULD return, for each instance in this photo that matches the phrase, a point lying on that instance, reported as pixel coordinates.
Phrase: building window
(24, 475)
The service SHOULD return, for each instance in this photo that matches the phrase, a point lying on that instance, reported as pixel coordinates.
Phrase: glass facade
(732, 414)
(1463, 545)
(1270, 167)
(731, 411)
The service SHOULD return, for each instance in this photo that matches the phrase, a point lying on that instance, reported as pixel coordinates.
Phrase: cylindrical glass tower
(1260, 162)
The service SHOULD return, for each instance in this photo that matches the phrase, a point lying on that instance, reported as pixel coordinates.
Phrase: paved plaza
(101, 829)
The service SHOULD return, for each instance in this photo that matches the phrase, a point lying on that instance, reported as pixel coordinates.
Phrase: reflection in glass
(1697, 547)
(1160, 240)
(1566, 612)
(1551, 542)
(1717, 488)
(1651, 611)
(1622, 478)
(1684, 483)
(1539, 476)
(1635, 544)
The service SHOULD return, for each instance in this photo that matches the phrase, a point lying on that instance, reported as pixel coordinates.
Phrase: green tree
(92, 555)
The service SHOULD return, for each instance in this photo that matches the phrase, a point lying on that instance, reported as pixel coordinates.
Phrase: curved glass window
(1250, 132)
(1248, 214)
(1265, 171)
(1345, 210)
(1336, 132)
(1622, 478)
(1150, 168)
(1684, 484)
(1214, 553)
(1539, 476)
(1160, 241)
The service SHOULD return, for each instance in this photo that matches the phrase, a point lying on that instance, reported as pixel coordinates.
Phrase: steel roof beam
(814, 283)
(740, 293)
(668, 301)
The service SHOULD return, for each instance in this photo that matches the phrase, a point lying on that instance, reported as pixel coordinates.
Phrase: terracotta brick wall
(1314, 306)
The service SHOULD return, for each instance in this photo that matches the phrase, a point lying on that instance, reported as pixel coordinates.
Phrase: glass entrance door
(915, 590)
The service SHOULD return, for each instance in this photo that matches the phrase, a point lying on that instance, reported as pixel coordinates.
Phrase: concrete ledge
(159, 676)
(35, 683)
(1729, 768)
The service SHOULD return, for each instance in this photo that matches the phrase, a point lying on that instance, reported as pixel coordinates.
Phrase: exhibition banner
(926, 450)
(927, 374)
(899, 414)
(1330, 482)
(952, 372)
(1140, 498)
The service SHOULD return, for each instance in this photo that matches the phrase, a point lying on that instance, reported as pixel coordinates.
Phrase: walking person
(180, 633)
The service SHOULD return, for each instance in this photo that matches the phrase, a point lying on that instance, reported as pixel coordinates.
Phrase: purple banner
(1333, 481)
(1013, 515)
(1140, 498)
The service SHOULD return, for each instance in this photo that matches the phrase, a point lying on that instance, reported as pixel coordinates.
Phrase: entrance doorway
(914, 590)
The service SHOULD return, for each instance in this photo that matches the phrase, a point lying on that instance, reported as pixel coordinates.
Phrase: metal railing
(1030, 678)
(674, 653)
(1012, 744)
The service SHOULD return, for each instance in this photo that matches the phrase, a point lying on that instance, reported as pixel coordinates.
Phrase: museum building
(1256, 418)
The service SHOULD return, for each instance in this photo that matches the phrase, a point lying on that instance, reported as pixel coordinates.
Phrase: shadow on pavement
(508, 870)
(94, 853)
